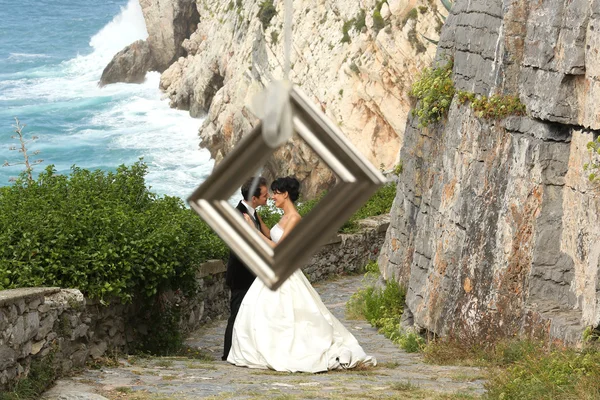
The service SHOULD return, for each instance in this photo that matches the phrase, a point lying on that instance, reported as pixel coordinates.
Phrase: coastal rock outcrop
(169, 23)
(129, 65)
(355, 60)
(494, 229)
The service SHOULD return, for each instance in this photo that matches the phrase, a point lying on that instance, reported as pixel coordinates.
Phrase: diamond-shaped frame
(358, 179)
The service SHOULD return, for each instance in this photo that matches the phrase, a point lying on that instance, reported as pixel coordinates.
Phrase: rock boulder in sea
(129, 65)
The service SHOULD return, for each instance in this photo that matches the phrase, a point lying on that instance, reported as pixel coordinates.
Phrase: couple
(289, 329)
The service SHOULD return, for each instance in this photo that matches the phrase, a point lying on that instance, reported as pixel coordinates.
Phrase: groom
(239, 278)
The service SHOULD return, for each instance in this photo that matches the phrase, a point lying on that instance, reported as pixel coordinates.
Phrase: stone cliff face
(495, 227)
(359, 82)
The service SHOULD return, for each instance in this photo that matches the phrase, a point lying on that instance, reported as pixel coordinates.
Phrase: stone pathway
(399, 375)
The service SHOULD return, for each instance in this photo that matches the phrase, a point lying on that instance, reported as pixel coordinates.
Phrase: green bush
(42, 374)
(433, 91)
(412, 14)
(593, 167)
(103, 233)
(560, 374)
(383, 309)
(494, 107)
(380, 203)
(266, 12)
(360, 20)
(357, 23)
(378, 22)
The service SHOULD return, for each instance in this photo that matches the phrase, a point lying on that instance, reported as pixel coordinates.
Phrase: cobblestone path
(399, 375)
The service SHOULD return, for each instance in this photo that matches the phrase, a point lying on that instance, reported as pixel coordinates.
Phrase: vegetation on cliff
(494, 107)
(593, 167)
(433, 91)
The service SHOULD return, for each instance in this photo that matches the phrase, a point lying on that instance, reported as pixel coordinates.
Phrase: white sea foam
(78, 77)
(124, 29)
(25, 56)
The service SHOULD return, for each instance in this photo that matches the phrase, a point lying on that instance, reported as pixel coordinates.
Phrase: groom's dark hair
(248, 184)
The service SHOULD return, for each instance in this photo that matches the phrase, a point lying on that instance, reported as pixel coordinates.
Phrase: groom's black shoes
(223, 358)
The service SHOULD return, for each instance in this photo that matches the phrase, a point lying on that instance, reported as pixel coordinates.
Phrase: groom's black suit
(239, 279)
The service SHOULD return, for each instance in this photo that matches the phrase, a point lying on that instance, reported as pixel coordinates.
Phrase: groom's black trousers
(237, 295)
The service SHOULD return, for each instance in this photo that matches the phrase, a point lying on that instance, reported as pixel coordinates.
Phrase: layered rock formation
(495, 227)
(359, 82)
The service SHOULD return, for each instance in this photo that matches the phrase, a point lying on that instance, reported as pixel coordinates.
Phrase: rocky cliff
(495, 226)
(169, 23)
(355, 59)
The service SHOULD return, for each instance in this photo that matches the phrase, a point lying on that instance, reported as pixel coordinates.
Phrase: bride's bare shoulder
(289, 220)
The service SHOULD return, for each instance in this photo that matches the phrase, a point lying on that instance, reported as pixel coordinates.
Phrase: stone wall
(349, 253)
(37, 322)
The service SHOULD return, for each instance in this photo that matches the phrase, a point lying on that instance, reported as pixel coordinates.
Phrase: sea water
(52, 54)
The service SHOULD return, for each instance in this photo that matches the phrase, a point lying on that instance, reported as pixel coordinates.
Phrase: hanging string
(272, 105)
(287, 39)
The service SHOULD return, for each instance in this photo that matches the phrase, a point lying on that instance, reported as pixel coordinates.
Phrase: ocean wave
(25, 56)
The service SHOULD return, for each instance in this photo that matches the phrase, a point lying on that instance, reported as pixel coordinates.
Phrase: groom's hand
(249, 221)
(263, 227)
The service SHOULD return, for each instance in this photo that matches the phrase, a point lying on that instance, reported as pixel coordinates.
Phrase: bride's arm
(292, 222)
(251, 223)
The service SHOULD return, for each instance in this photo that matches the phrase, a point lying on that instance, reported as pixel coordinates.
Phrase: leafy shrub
(433, 91)
(165, 339)
(494, 107)
(360, 20)
(103, 233)
(346, 31)
(593, 167)
(42, 374)
(412, 14)
(357, 23)
(398, 168)
(473, 352)
(411, 342)
(380, 203)
(559, 374)
(382, 308)
(378, 22)
(266, 12)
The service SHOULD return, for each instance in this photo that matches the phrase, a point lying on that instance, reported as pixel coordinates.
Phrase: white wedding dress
(290, 329)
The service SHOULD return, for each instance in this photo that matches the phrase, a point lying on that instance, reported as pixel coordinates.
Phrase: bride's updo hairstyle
(288, 184)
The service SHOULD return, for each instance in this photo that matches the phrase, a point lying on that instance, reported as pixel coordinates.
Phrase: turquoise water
(52, 53)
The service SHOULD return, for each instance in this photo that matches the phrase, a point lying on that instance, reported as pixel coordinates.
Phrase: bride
(290, 329)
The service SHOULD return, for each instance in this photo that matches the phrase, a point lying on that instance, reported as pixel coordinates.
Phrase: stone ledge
(10, 295)
(211, 267)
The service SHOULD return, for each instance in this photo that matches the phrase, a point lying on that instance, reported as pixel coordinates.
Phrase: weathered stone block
(7, 357)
